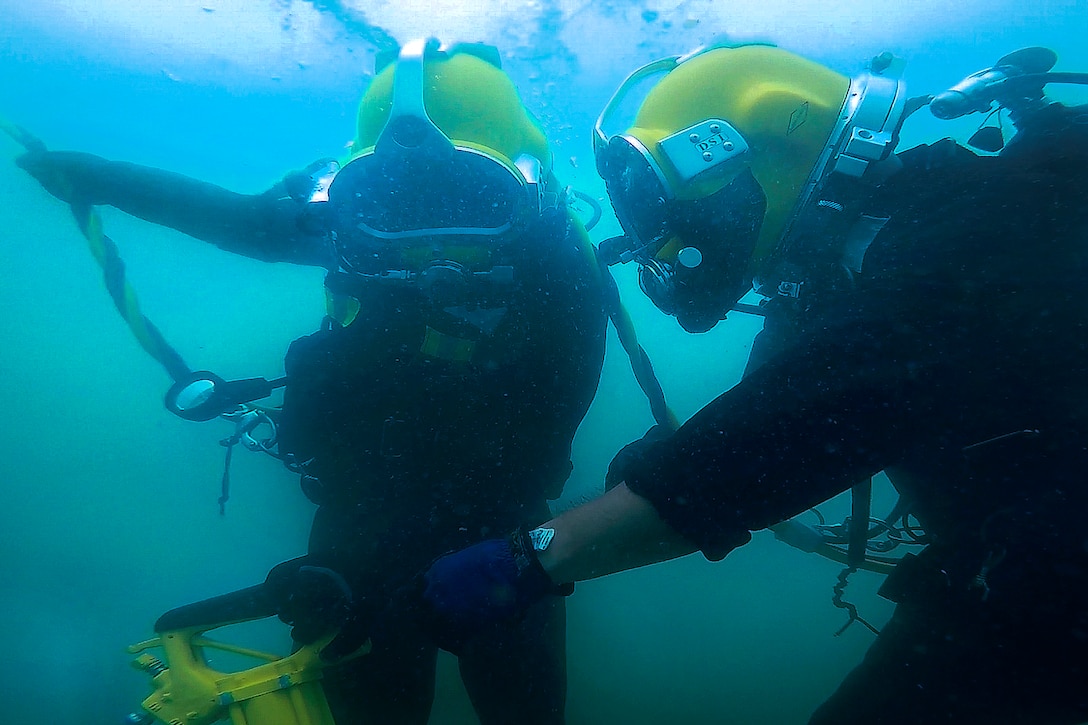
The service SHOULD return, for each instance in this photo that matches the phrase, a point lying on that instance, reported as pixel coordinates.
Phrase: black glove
(469, 590)
(301, 184)
(316, 600)
(70, 176)
(632, 455)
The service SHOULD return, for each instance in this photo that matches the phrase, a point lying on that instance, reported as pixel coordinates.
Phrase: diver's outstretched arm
(263, 226)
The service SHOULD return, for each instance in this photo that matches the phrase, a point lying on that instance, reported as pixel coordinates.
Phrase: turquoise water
(108, 512)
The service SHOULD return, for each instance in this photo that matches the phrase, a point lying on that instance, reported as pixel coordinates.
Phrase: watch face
(541, 538)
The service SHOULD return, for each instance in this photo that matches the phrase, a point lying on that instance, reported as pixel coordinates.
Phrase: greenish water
(108, 512)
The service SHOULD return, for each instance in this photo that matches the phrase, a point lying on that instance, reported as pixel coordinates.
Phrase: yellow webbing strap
(113, 271)
(447, 347)
(124, 296)
(341, 308)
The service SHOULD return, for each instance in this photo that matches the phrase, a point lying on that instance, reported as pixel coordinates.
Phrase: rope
(109, 259)
(851, 610)
(640, 361)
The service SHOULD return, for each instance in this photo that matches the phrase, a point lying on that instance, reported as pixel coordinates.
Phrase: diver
(925, 316)
(437, 405)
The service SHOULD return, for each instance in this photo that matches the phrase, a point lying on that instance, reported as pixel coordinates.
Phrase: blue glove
(469, 590)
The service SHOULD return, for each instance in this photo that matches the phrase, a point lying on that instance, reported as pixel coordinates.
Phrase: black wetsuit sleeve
(797, 431)
(262, 226)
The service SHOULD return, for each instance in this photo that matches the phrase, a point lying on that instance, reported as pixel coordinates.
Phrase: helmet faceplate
(447, 161)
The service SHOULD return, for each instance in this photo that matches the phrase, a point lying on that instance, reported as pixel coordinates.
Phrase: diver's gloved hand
(633, 454)
(466, 591)
(301, 184)
(71, 176)
(316, 600)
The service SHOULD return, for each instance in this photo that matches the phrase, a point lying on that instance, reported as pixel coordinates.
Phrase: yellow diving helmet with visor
(448, 166)
(727, 148)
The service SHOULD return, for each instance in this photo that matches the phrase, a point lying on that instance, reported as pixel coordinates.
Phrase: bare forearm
(618, 531)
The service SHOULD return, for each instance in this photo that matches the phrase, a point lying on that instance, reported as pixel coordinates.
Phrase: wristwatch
(541, 537)
(525, 545)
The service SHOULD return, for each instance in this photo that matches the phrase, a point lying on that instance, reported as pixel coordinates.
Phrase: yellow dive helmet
(727, 148)
(447, 164)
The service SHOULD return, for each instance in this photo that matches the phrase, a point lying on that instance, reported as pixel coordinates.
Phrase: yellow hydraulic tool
(187, 691)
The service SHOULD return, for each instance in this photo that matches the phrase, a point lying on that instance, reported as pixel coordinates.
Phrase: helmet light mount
(1015, 84)
(977, 92)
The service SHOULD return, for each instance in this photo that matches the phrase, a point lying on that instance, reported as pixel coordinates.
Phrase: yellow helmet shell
(472, 102)
(785, 106)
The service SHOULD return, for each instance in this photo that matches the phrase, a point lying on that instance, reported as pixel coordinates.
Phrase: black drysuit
(417, 455)
(957, 360)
